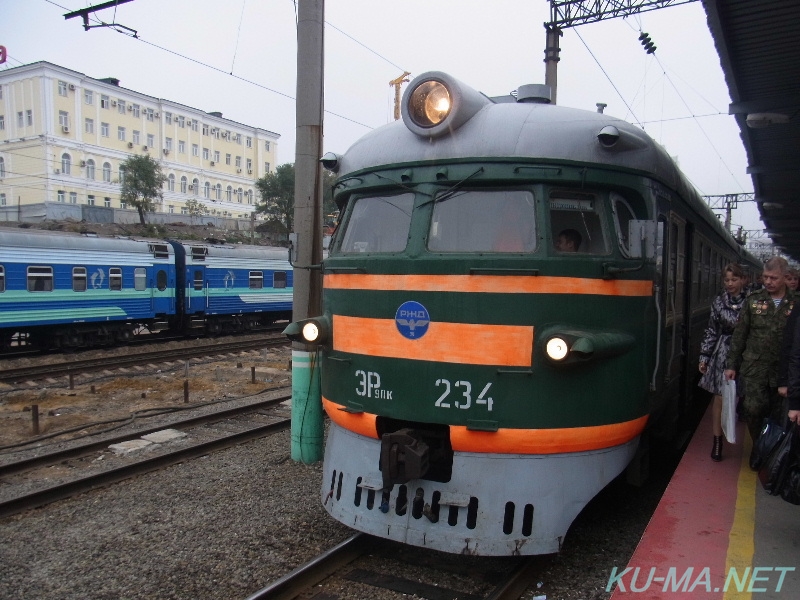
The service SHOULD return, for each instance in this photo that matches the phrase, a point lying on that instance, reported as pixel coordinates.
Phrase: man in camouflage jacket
(756, 344)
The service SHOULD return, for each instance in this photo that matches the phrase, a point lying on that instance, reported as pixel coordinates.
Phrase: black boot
(716, 450)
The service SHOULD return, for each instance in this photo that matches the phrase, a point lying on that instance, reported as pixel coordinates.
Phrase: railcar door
(196, 289)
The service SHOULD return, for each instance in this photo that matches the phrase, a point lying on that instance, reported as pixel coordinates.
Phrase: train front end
(486, 342)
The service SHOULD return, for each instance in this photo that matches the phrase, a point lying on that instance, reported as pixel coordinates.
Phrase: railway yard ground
(227, 524)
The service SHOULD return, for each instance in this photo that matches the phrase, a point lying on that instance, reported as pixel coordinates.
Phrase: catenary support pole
(306, 398)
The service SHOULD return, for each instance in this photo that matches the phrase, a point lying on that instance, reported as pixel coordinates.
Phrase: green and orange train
(513, 302)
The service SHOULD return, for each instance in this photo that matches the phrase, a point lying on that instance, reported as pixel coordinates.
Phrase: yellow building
(63, 136)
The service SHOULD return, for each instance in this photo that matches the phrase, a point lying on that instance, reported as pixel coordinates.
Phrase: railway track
(66, 489)
(344, 563)
(34, 372)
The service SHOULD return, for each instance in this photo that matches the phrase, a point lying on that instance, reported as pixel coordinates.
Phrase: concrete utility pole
(307, 301)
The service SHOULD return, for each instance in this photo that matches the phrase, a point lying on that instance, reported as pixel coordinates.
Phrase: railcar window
(256, 280)
(2, 279)
(623, 215)
(378, 224)
(199, 252)
(161, 280)
(198, 280)
(159, 250)
(139, 279)
(40, 279)
(79, 279)
(279, 279)
(575, 223)
(115, 279)
(484, 221)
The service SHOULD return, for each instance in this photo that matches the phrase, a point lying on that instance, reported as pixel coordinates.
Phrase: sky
(239, 57)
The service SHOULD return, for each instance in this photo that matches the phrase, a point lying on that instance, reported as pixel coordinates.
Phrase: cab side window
(575, 223)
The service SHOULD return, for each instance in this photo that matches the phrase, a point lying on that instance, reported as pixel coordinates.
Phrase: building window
(229, 194)
(227, 159)
(184, 210)
(2, 203)
(40, 279)
(195, 187)
(249, 194)
(121, 106)
(63, 118)
(88, 96)
(151, 140)
(266, 145)
(238, 162)
(218, 191)
(78, 279)
(90, 200)
(90, 169)
(194, 124)
(62, 195)
(249, 165)
(135, 110)
(181, 121)
(216, 155)
(205, 129)
(168, 143)
(62, 88)
(195, 150)
(20, 119)
(135, 136)
(171, 209)
(105, 101)
(2, 122)
(266, 168)
(121, 175)
(123, 205)
(149, 114)
(183, 184)
(207, 190)
(2, 167)
(239, 195)
(121, 134)
(66, 163)
(181, 147)
(168, 118)
(104, 129)
(73, 197)
(205, 153)
(171, 182)
(115, 279)
(249, 142)
(89, 125)
(107, 172)
(238, 138)
(215, 131)
(29, 117)
(107, 202)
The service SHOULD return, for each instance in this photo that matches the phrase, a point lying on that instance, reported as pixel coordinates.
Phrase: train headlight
(557, 349)
(315, 331)
(430, 103)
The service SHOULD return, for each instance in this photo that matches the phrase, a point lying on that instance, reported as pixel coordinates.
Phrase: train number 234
(462, 394)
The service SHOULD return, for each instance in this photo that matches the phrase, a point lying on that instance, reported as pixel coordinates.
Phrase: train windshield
(378, 224)
(484, 221)
(575, 223)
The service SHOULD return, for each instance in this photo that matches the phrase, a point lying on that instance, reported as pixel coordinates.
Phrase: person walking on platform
(716, 344)
(756, 343)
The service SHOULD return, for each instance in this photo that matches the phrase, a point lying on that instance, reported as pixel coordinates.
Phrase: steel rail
(66, 490)
(139, 358)
(51, 458)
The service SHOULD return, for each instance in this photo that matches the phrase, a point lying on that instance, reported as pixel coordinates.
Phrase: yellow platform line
(741, 542)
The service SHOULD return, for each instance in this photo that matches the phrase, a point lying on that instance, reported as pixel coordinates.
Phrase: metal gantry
(570, 13)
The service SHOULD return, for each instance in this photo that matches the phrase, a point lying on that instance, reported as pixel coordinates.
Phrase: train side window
(378, 224)
(484, 221)
(256, 280)
(79, 279)
(139, 279)
(623, 215)
(575, 223)
(2, 278)
(161, 280)
(115, 279)
(279, 279)
(40, 279)
(198, 280)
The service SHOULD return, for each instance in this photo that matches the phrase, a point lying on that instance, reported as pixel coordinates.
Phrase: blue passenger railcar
(68, 290)
(226, 288)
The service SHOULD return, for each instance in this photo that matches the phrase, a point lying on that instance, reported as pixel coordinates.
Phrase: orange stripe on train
(497, 345)
(508, 441)
(495, 284)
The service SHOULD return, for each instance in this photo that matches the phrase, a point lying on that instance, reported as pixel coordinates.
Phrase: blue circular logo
(412, 320)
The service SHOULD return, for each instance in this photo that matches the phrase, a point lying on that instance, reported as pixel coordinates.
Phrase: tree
(195, 208)
(141, 181)
(277, 195)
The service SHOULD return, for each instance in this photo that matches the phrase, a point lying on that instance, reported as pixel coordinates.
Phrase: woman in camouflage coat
(716, 344)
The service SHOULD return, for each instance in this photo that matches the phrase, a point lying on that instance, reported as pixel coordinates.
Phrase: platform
(716, 533)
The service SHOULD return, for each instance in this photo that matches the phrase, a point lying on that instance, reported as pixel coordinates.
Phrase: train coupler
(403, 457)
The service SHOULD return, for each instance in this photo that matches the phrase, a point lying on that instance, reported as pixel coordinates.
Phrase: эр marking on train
(484, 380)
(68, 291)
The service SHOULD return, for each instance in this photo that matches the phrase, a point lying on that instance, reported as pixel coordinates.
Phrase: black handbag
(791, 487)
(771, 434)
(774, 474)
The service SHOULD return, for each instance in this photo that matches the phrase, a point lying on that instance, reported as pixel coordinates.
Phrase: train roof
(64, 240)
(237, 250)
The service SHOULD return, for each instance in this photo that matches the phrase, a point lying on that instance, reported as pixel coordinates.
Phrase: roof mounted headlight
(435, 104)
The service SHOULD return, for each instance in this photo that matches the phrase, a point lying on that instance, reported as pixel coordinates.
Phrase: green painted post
(307, 427)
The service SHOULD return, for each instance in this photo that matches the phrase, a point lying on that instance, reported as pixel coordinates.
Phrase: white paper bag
(729, 410)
